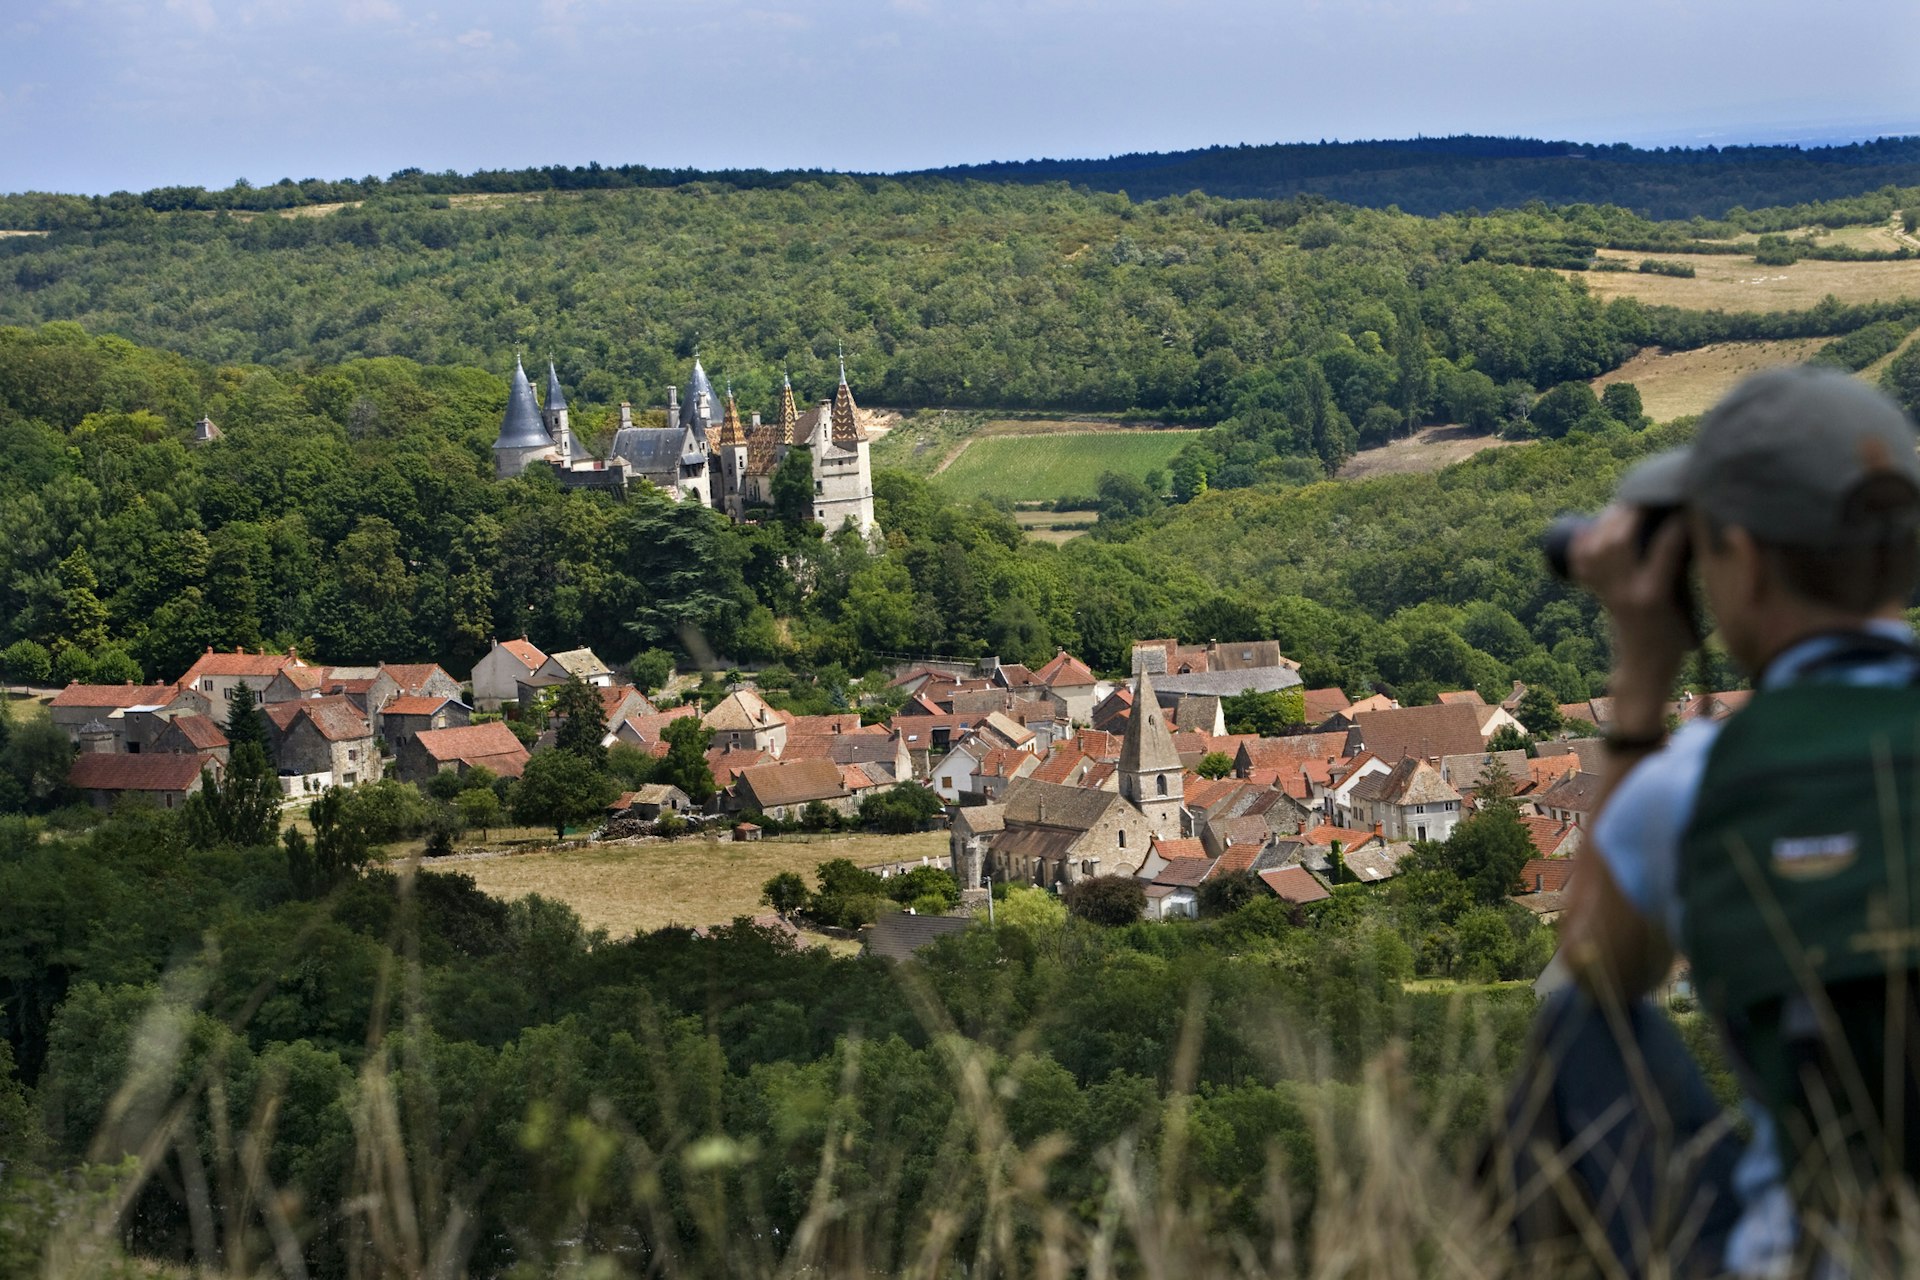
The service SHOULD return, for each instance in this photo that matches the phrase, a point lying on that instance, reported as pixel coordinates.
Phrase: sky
(104, 95)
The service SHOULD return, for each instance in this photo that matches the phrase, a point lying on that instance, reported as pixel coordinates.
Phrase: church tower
(1150, 773)
(554, 416)
(730, 443)
(523, 438)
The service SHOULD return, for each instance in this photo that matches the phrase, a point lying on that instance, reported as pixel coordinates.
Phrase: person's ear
(1747, 566)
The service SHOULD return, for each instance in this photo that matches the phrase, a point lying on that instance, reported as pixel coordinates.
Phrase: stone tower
(1150, 773)
(523, 437)
(730, 447)
(554, 415)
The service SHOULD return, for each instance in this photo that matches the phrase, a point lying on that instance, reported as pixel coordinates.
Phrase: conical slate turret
(520, 426)
(556, 398)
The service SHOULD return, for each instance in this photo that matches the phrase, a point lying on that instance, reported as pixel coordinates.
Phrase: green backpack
(1800, 880)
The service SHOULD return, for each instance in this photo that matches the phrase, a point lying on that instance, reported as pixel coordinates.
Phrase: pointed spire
(730, 431)
(520, 426)
(846, 418)
(556, 398)
(789, 412)
(1148, 746)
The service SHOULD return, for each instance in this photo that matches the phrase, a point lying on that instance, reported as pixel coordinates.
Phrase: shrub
(1107, 900)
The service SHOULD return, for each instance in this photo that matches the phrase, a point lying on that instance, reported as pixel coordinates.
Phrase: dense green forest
(350, 510)
(1303, 329)
(1419, 175)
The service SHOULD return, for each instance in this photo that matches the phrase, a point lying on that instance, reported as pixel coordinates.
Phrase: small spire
(843, 364)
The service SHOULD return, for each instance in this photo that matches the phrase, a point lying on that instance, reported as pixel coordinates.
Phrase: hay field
(1674, 384)
(1044, 526)
(1045, 466)
(650, 884)
(1736, 283)
(1427, 449)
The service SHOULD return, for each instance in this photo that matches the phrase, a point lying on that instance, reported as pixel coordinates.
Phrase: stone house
(1410, 801)
(407, 680)
(219, 675)
(1053, 836)
(649, 802)
(743, 720)
(408, 715)
(128, 712)
(166, 780)
(491, 746)
(320, 743)
(497, 676)
(1571, 799)
(783, 790)
(191, 735)
(1073, 683)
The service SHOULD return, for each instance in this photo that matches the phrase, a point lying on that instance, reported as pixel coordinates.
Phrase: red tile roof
(1186, 871)
(336, 719)
(410, 704)
(1294, 884)
(1287, 753)
(412, 677)
(1065, 671)
(1326, 833)
(476, 744)
(1005, 762)
(1101, 746)
(163, 771)
(1548, 834)
(528, 654)
(1462, 698)
(115, 695)
(239, 663)
(201, 733)
(1425, 733)
(1171, 847)
(1321, 703)
(1547, 875)
(1057, 767)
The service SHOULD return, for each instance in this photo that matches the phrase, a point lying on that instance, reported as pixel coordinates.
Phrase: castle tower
(702, 409)
(523, 439)
(554, 415)
(1149, 772)
(789, 411)
(846, 422)
(731, 446)
(842, 463)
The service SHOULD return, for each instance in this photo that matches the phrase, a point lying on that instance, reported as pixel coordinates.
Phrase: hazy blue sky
(97, 95)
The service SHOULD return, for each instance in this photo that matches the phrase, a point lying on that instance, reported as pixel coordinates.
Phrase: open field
(1035, 466)
(1737, 283)
(1044, 526)
(1675, 383)
(650, 884)
(1427, 449)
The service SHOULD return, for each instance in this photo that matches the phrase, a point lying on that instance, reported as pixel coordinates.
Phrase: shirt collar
(1788, 665)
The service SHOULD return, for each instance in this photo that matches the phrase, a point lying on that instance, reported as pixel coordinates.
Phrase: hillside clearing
(1046, 466)
(1737, 283)
(1427, 449)
(1676, 383)
(648, 885)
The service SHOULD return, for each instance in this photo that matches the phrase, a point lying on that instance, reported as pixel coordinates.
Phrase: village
(1045, 777)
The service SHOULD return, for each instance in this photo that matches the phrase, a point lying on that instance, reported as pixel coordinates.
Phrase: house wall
(495, 679)
(304, 753)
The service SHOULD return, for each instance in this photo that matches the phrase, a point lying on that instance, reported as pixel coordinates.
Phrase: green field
(1042, 468)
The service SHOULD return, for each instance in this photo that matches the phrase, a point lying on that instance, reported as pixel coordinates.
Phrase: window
(1123, 839)
(1160, 784)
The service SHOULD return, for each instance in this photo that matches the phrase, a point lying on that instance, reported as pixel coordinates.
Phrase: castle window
(1123, 839)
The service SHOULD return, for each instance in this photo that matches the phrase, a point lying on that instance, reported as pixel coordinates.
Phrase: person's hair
(1864, 576)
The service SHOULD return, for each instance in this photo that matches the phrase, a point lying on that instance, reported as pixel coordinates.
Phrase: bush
(1107, 900)
(1656, 267)
(1863, 346)
(25, 662)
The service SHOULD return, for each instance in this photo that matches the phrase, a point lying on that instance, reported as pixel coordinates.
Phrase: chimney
(673, 405)
(755, 421)
(626, 413)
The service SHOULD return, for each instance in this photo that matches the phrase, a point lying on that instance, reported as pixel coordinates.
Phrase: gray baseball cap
(1800, 456)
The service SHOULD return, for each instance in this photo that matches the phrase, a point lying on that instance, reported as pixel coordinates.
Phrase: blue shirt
(1638, 834)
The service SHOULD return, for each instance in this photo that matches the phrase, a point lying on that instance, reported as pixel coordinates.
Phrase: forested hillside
(350, 510)
(1302, 328)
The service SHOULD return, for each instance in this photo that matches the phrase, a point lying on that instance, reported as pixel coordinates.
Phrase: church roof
(556, 398)
(520, 426)
(653, 451)
(730, 432)
(846, 415)
(1148, 746)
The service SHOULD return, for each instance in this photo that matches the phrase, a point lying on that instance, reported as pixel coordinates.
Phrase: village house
(649, 802)
(411, 680)
(1295, 885)
(574, 664)
(1173, 889)
(190, 735)
(219, 675)
(952, 777)
(881, 756)
(489, 746)
(320, 743)
(166, 780)
(997, 771)
(117, 708)
(1571, 799)
(743, 721)
(408, 715)
(1431, 732)
(497, 676)
(1072, 682)
(783, 790)
(1053, 836)
(1410, 801)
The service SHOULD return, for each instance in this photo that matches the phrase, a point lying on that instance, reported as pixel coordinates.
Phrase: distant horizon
(1774, 135)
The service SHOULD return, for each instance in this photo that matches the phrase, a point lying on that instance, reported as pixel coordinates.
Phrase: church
(705, 453)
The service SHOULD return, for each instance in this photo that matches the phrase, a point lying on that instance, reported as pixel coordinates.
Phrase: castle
(704, 453)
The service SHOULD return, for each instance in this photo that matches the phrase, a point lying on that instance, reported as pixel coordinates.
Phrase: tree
(685, 765)
(792, 487)
(1484, 945)
(1494, 785)
(1267, 714)
(1107, 900)
(920, 884)
(1570, 406)
(1508, 738)
(903, 807)
(1621, 402)
(241, 809)
(26, 662)
(1224, 895)
(583, 720)
(339, 849)
(1214, 764)
(786, 893)
(479, 808)
(1030, 907)
(650, 668)
(561, 788)
(1539, 712)
(245, 723)
(1487, 852)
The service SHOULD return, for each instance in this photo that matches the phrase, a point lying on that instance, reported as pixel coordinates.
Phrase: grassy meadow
(640, 887)
(1735, 282)
(1046, 467)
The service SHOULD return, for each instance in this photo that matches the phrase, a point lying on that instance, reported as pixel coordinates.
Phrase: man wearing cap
(1772, 849)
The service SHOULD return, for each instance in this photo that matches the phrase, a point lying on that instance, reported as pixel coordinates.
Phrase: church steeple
(1149, 770)
(789, 412)
(846, 420)
(730, 431)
